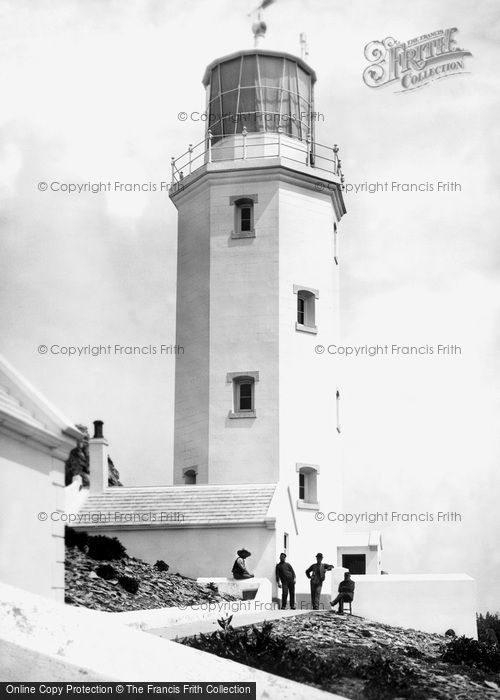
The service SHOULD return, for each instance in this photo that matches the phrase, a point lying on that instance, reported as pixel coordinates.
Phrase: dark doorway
(356, 563)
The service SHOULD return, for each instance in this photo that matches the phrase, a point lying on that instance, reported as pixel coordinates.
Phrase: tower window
(190, 475)
(337, 401)
(244, 398)
(243, 216)
(335, 244)
(243, 394)
(308, 486)
(306, 309)
(302, 486)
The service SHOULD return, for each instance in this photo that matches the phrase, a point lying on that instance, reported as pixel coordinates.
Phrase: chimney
(98, 459)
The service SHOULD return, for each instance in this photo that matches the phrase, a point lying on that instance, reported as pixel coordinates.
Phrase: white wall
(427, 602)
(192, 333)
(200, 552)
(309, 380)
(31, 550)
(63, 643)
(244, 330)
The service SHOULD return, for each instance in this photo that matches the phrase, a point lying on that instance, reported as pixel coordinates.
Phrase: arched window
(306, 309)
(244, 225)
(189, 476)
(243, 394)
(308, 485)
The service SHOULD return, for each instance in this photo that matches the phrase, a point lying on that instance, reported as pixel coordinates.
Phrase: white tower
(259, 202)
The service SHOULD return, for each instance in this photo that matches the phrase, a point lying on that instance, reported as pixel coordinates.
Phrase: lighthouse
(259, 207)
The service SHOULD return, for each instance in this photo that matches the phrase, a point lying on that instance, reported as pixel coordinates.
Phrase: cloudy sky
(91, 92)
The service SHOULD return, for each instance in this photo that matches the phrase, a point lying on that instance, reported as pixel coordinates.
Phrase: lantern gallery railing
(246, 146)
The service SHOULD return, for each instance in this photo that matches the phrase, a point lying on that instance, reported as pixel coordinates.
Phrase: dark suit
(316, 574)
(346, 594)
(286, 576)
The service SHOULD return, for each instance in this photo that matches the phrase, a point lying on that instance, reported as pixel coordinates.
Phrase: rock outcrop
(77, 463)
(108, 586)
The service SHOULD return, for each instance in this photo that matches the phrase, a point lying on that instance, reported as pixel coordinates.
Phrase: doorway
(356, 563)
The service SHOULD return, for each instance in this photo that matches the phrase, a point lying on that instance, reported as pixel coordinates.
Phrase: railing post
(244, 134)
(172, 164)
(308, 148)
(209, 134)
(335, 159)
(280, 131)
(190, 151)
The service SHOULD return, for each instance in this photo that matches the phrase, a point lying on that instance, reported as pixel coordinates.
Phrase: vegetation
(97, 547)
(488, 628)
(383, 677)
(129, 584)
(470, 652)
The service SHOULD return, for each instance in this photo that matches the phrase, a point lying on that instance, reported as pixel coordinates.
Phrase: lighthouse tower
(259, 204)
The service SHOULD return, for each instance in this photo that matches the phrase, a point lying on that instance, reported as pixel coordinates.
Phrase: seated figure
(239, 570)
(345, 593)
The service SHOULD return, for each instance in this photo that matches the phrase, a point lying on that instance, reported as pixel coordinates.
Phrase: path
(205, 626)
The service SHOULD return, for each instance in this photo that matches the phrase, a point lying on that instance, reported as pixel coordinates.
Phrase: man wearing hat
(285, 578)
(239, 569)
(346, 593)
(316, 574)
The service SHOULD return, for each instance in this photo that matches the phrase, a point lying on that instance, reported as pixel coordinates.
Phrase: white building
(256, 407)
(35, 441)
(256, 453)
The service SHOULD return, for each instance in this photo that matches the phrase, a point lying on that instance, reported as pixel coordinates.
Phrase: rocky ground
(358, 659)
(157, 589)
(389, 662)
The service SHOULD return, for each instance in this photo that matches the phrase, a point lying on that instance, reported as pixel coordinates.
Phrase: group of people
(285, 579)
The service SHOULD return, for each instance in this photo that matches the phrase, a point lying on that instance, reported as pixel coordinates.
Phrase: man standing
(285, 578)
(316, 574)
(346, 593)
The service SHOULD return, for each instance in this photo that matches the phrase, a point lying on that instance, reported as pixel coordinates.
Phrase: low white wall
(42, 640)
(199, 551)
(427, 602)
(231, 586)
(170, 617)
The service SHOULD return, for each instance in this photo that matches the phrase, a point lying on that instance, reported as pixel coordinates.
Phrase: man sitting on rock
(345, 593)
(239, 570)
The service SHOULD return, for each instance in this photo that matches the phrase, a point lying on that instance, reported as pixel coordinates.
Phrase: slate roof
(26, 412)
(371, 538)
(210, 505)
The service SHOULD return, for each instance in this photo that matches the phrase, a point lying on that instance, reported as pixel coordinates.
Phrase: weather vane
(259, 27)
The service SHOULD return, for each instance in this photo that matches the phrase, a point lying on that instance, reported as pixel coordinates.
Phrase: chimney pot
(98, 429)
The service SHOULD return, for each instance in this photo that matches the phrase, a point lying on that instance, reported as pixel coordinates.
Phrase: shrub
(470, 652)
(488, 628)
(161, 566)
(131, 585)
(384, 677)
(107, 572)
(259, 649)
(73, 538)
(105, 548)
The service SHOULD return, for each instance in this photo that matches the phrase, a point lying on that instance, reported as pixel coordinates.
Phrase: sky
(91, 92)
